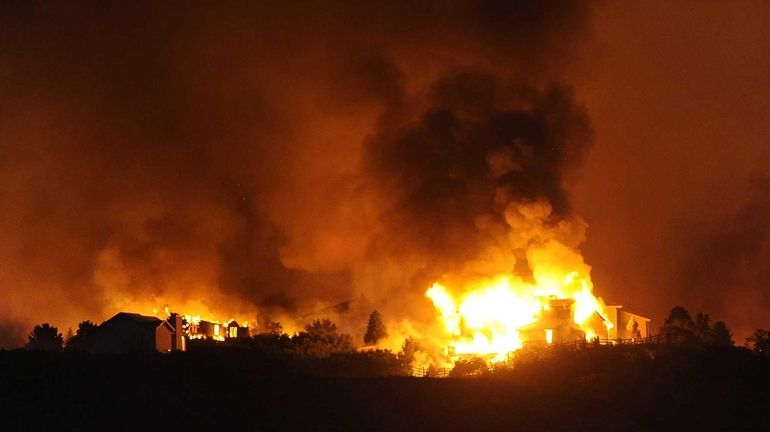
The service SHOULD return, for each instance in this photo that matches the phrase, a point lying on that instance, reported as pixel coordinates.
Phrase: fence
(431, 372)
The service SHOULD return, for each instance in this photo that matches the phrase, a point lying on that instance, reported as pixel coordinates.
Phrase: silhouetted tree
(271, 342)
(679, 317)
(703, 328)
(321, 328)
(266, 325)
(321, 338)
(83, 337)
(679, 328)
(471, 367)
(759, 342)
(408, 350)
(721, 335)
(375, 329)
(45, 337)
(275, 328)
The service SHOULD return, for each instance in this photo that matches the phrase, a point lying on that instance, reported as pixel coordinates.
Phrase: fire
(486, 317)
(486, 309)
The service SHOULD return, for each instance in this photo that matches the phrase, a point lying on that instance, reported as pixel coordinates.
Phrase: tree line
(702, 331)
(319, 333)
(319, 347)
(321, 338)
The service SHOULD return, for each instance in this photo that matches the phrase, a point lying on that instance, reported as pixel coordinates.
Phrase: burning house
(235, 330)
(130, 332)
(196, 328)
(493, 318)
(555, 325)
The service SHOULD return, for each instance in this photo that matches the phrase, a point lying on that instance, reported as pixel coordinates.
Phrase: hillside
(629, 388)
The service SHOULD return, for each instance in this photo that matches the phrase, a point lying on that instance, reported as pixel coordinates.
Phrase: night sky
(277, 156)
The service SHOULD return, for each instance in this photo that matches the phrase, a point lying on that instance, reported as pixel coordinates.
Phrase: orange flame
(486, 316)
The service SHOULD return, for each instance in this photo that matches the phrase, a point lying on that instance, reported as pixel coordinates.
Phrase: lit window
(216, 329)
(549, 335)
(233, 332)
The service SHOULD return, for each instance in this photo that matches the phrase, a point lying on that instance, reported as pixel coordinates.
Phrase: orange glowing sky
(257, 157)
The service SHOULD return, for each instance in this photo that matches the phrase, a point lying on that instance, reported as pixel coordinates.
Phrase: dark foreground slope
(629, 388)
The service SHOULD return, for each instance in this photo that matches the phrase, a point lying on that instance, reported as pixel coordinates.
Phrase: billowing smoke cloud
(272, 157)
(451, 175)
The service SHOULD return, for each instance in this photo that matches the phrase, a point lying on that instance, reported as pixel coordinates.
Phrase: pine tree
(721, 335)
(679, 317)
(408, 350)
(375, 329)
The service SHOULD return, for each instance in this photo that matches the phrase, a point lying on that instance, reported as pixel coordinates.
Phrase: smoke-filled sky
(675, 187)
(274, 157)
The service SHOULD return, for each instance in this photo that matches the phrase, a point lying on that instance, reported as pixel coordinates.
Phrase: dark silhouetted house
(130, 332)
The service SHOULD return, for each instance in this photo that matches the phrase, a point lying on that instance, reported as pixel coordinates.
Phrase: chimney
(177, 340)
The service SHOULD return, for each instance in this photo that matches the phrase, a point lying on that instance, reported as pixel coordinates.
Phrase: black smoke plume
(267, 156)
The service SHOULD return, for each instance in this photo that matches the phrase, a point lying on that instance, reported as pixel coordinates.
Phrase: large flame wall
(484, 313)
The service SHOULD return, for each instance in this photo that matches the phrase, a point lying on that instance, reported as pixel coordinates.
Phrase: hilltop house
(556, 325)
(130, 332)
(626, 325)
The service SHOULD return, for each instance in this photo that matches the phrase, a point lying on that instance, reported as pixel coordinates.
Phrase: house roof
(619, 307)
(637, 317)
(149, 321)
(139, 318)
(549, 322)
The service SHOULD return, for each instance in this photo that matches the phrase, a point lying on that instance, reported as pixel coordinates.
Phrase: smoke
(11, 334)
(675, 142)
(726, 266)
(271, 158)
(455, 178)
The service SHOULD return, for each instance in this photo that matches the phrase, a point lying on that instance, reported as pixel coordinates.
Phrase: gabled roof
(637, 317)
(138, 318)
(143, 320)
